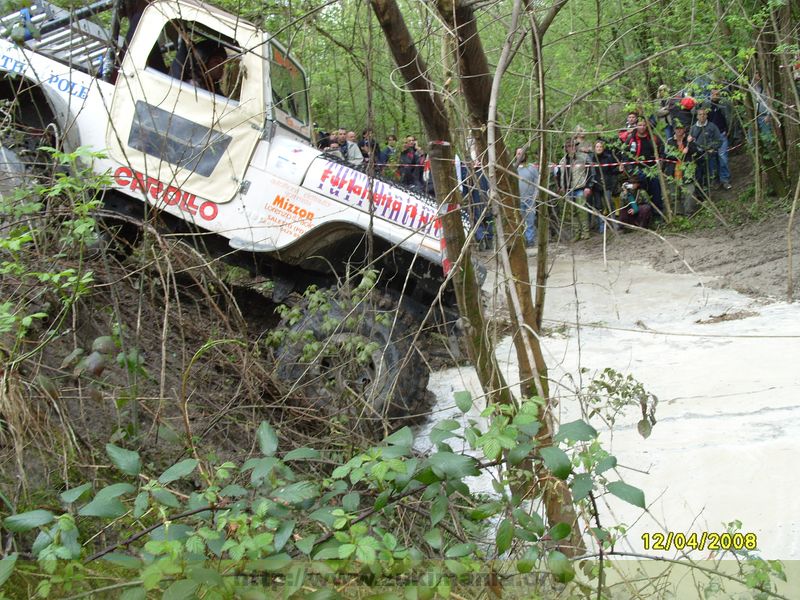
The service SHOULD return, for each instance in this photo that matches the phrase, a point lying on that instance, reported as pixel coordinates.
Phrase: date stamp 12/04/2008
(707, 540)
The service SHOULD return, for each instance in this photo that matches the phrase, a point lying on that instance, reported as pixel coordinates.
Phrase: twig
(144, 532)
(789, 248)
(602, 554)
(686, 563)
(108, 588)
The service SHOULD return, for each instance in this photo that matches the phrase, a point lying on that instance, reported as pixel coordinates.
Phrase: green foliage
(39, 222)
(612, 392)
(269, 524)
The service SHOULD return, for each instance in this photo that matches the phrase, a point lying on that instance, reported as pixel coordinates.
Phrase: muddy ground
(741, 244)
(749, 258)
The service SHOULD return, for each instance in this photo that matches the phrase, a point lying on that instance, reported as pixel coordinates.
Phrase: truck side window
(203, 58)
(177, 140)
(288, 86)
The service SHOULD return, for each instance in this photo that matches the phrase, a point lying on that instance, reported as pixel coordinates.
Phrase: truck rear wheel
(353, 361)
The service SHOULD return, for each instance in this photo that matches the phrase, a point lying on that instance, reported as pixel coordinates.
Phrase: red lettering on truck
(160, 192)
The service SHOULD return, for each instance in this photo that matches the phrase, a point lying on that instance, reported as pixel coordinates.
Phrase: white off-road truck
(226, 151)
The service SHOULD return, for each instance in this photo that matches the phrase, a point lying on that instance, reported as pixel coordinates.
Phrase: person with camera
(681, 153)
(636, 209)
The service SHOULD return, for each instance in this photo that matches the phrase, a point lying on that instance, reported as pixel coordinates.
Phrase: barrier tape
(647, 162)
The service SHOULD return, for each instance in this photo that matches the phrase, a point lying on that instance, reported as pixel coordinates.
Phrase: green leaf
(74, 494)
(382, 500)
(7, 567)
(43, 540)
(346, 550)
(365, 553)
(165, 497)
(560, 567)
(438, 509)
(556, 461)
(576, 431)
(273, 563)
(262, 467)
(28, 520)
(109, 508)
(306, 545)
(456, 567)
(525, 566)
(178, 470)
(283, 534)
(434, 538)
(486, 510)
(401, 437)
(327, 553)
(183, 589)
(341, 472)
(324, 515)
(140, 504)
(520, 452)
(491, 447)
(628, 493)
(123, 560)
(267, 439)
(560, 531)
(233, 491)
(301, 454)
(296, 493)
(604, 464)
(463, 400)
(351, 501)
(453, 466)
(126, 461)
(206, 576)
(644, 428)
(581, 486)
(459, 550)
(136, 593)
(505, 535)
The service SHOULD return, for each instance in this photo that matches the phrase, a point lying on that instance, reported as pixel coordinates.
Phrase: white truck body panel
(271, 189)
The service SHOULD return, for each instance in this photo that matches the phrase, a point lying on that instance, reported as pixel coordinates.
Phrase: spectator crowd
(620, 177)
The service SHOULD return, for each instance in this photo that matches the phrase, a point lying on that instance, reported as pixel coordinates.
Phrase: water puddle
(726, 370)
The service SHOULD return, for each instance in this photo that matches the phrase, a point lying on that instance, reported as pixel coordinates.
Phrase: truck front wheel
(351, 361)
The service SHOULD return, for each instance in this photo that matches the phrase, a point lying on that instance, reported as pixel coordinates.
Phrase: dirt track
(751, 259)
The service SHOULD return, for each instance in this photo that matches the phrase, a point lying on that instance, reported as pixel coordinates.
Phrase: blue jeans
(718, 163)
(529, 218)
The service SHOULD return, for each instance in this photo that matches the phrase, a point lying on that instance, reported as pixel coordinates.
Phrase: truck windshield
(289, 89)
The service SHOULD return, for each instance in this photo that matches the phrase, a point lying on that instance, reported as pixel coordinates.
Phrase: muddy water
(726, 370)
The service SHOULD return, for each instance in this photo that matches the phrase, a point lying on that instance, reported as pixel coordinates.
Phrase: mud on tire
(352, 361)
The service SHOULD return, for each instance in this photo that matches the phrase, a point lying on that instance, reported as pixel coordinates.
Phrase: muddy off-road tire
(353, 362)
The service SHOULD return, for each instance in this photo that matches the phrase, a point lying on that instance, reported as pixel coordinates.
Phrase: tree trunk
(477, 83)
(434, 117)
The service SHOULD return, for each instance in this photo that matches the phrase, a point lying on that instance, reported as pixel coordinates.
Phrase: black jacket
(606, 171)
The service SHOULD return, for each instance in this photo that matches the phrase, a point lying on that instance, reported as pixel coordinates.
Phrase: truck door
(173, 120)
